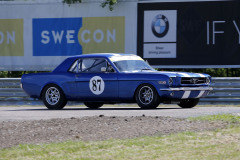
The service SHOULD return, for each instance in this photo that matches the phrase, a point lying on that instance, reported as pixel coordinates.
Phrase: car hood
(182, 74)
(172, 74)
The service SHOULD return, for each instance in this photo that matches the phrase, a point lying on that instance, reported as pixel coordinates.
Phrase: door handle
(76, 76)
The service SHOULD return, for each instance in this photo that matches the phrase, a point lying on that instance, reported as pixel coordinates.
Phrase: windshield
(132, 65)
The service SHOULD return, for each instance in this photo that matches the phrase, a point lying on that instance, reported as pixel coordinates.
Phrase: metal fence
(12, 93)
(226, 90)
(10, 88)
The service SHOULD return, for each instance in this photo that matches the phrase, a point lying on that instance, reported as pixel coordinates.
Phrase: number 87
(96, 85)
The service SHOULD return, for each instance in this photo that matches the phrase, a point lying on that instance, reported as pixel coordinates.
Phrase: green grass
(220, 117)
(222, 144)
(219, 144)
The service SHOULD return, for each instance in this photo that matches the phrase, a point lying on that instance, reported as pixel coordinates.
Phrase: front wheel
(147, 97)
(188, 103)
(53, 97)
(93, 105)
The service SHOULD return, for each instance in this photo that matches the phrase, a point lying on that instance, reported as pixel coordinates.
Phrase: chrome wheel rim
(52, 95)
(145, 95)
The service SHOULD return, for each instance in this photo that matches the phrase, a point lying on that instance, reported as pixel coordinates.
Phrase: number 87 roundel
(96, 85)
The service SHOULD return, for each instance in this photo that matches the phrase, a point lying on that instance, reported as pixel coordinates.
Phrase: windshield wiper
(145, 69)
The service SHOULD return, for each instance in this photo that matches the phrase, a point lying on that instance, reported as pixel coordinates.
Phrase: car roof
(66, 64)
(101, 55)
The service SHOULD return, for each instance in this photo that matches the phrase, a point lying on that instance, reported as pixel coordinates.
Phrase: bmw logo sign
(160, 26)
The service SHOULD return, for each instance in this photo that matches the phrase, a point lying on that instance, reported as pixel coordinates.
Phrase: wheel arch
(145, 83)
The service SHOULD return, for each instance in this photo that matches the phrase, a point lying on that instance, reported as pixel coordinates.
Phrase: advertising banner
(74, 36)
(190, 34)
(11, 37)
(41, 35)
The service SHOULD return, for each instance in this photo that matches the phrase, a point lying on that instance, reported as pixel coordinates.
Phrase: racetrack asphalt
(10, 113)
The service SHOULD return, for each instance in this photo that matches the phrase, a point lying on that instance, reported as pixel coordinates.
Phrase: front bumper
(188, 89)
(184, 92)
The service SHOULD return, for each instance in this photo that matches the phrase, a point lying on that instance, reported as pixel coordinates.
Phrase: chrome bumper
(187, 89)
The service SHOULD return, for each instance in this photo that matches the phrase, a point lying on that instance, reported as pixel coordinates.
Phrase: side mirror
(103, 69)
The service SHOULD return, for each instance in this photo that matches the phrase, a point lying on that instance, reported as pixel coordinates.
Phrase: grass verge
(232, 119)
(219, 144)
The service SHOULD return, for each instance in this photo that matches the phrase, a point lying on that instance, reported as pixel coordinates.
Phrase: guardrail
(12, 93)
(10, 87)
(226, 90)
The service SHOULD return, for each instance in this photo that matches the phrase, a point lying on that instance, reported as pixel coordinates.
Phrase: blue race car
(97, 79)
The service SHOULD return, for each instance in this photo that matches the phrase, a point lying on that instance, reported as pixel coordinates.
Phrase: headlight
(208, 80)
(170, 81)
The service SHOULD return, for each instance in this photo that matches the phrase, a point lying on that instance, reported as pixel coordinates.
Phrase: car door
(94, 82)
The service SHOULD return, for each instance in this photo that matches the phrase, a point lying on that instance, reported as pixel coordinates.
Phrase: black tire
(188, 103)
(147, 97)
(93, 105)
(53, 97)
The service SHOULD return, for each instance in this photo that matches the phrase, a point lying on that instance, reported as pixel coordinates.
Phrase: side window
(90, 65)
(87, 64)
(110, 68)
(75, 67)
(93, 65)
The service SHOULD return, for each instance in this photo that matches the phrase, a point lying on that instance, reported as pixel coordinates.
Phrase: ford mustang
(107, 78)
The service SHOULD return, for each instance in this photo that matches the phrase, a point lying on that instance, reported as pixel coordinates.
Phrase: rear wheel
(93, 105)
(188, 103)
(147, 97)
(53, 97)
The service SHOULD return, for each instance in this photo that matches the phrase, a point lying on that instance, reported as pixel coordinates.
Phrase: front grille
(193, 80)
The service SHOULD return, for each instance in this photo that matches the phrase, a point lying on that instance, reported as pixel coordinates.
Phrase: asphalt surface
(41, 112)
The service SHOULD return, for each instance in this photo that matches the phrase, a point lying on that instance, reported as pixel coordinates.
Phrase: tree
(109, 3)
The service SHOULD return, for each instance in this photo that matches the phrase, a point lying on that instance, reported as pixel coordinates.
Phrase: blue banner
(56, 36)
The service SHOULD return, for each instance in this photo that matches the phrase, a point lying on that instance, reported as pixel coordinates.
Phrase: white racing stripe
(200, 94)
(184, 74)
(186, 94)
(201, 75)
